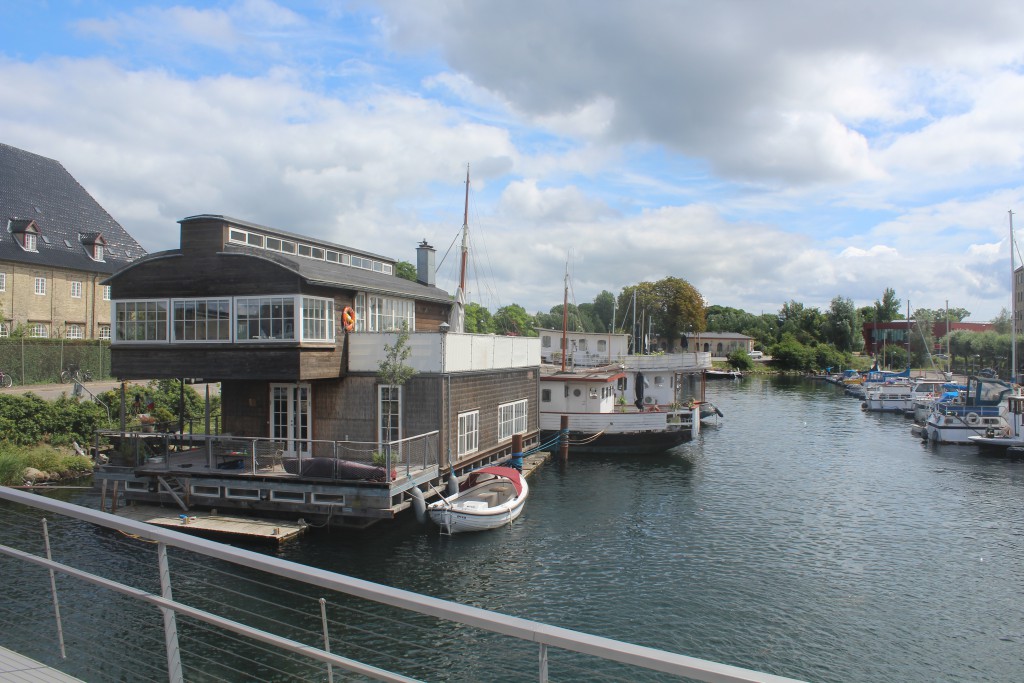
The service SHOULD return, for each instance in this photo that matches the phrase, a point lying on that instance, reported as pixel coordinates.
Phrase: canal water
(800, 536)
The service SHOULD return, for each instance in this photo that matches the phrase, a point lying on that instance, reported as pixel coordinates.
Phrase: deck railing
(218, 616)
(266, 456)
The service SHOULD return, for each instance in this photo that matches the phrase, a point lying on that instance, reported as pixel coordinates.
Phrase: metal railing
(172, 649)
(269, 457)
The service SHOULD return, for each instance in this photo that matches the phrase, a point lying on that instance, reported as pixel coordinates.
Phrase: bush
(28, 420)
(740, 360)
(14, 460)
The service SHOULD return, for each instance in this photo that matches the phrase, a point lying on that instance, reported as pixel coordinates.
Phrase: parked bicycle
(6, 380)
(76, 373)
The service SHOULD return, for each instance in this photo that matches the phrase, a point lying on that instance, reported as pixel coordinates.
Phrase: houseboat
(296, 329)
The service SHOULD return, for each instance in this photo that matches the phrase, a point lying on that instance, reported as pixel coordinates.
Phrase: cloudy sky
(763, 151)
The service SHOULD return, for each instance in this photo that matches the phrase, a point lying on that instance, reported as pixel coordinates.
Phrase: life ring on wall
(348, 319)
(972, 419)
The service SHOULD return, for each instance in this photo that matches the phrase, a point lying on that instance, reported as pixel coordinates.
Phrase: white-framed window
(106, 292)
(389, 413)
(105, 332)
(384, 314)
(38, 330)
(263, 318)
(40, 286)
(30, 242)
(317, 319)
(5, 330)
(201, 320)
(602, 345)
(511, 419)
(140, 321)
(97, 252)
(74, 332)
(76, 289)
(3, 282)
(469, 432)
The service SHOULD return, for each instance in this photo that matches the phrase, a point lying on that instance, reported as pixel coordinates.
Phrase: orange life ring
(348, 318)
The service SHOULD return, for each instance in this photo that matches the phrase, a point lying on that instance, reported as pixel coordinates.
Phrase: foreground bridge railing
(269, 618)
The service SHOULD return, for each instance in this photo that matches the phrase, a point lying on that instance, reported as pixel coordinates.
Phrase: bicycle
(6, 381)
(76, 373)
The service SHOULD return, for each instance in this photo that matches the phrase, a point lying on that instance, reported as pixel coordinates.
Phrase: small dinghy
(490, 497)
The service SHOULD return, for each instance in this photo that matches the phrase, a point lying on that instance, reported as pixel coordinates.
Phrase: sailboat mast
(1013, 310)
(465, 238)
(565, 319)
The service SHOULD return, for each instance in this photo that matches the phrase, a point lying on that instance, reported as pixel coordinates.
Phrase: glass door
(289, 417)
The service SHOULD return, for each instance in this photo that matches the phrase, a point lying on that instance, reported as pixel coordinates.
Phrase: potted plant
(148, 422)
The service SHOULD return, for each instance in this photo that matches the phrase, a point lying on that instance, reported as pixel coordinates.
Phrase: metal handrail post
(543, 673)
(53, 591)
(327, 639)
(174, 673)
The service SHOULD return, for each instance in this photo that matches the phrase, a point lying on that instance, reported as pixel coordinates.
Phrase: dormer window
(26, 232)
(94, 245)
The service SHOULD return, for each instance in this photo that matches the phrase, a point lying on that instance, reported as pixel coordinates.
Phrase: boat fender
(864, 406)
(453, 485)
(972, 419)
(419, 505)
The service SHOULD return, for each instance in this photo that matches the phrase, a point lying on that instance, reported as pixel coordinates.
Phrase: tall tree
(841, 328)
(604, 309)
(888, 309)
(478, 319)
(405, 270)
(1002, 323)
(513, 319)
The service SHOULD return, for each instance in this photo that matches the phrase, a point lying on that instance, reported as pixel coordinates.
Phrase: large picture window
(384, 314)
(202, 320)
(469, 432)
(317, 319)
(511, 419)
(265, 318)
(140, 321)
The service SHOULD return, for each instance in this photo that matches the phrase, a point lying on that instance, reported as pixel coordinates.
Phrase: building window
(140, 321)
(264, 318)
(545, 341)
(74, 332)
(602, 345)
(40, 288)
(105, 332)
(511, 419)
(3, 282)
(317, 319)
(106, 292)
(469, 432)
(383, 314)
(389, 413)
(545, 396)
(38, 330)
(202, 320)
(5, 331)
(30, 241)
(97, 252)
(76, 289)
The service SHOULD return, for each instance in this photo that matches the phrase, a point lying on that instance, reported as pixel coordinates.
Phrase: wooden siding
(183, 276)
(245, 407)
(225, 362)
(207, 236)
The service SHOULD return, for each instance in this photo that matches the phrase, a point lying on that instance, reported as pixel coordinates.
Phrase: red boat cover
(512, 475)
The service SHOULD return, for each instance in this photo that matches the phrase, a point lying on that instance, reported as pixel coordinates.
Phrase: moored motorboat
(488, 498)
(977, 411)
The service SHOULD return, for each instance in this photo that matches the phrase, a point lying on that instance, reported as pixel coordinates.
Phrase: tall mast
(1013, 310)
(565, 318)
(908, 334)
(465, 238)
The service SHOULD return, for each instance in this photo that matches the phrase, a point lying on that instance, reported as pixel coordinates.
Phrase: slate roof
(34, 188)
(324, 273)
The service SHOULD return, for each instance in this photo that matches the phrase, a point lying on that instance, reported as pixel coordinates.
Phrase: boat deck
(213, 524)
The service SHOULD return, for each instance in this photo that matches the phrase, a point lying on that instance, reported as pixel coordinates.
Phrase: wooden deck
(219, 525)
(16, 667)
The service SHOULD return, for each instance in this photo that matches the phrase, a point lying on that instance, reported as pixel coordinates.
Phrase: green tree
(513, 319)
(393, 372)
(405, 270)
(1002, 323)
(803, 323)
(790, 354)
(842, 326)
(888, 309)
(478, 319)
(740, 360)
(604, 310)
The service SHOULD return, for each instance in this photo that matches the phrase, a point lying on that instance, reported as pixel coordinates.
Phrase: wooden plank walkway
(248, 528)
(16, 668)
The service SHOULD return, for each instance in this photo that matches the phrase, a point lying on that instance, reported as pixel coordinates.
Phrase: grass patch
(15, 459)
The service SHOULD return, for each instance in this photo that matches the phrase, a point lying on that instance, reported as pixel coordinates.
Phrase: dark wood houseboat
(294, 329)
